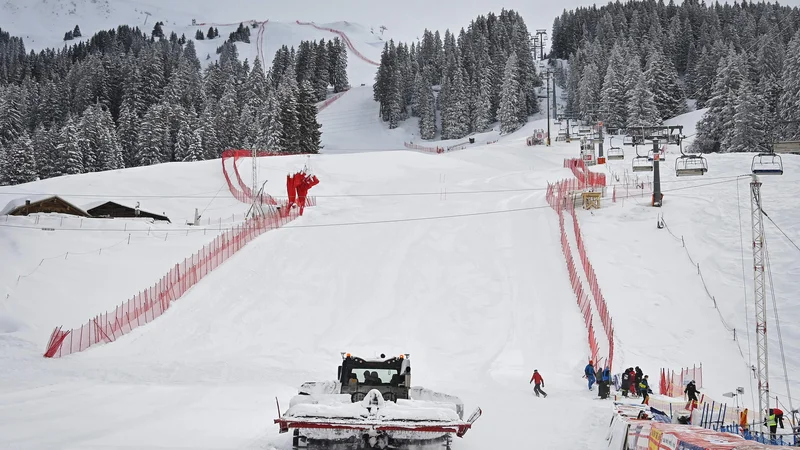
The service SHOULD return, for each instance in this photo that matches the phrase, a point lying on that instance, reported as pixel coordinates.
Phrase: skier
(588, 373)
(626, 382)
(691, 391)
(537, 387)
(644, 389)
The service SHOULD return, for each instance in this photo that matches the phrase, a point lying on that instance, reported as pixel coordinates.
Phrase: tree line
(637, 63)
(125, 99)
(486, 74)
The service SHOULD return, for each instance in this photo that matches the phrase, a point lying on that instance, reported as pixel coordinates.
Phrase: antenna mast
(760, 286)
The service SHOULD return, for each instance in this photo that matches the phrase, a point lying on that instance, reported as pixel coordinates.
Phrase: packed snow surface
(453, 258)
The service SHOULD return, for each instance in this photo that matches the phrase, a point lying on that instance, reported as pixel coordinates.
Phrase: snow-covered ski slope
(478, 301)
(478, 296)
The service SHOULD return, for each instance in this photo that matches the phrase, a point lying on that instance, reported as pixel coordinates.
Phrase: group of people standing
(636, 383)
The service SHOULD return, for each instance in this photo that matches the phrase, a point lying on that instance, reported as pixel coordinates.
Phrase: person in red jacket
(539, 383)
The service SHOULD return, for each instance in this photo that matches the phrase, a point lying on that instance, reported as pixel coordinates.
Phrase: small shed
(110, 210)
(24, 206)
(787, 147)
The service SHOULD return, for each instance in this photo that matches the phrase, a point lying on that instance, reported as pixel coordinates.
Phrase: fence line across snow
(557, 198)
(151, 303)
(345, 39)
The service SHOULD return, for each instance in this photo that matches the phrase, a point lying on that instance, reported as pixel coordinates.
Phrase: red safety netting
(151, 303)
(242, 192)
(673, 382)
(423, 148)
(328, 102)
(345, 39)
(557, 198)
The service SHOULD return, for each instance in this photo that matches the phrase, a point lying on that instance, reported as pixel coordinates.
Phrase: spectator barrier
(345, 39)
(324, 104)
(629, 432)
(557, 198)
(424, 149)
(150, 304)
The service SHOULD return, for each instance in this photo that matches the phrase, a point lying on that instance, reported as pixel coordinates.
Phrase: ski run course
(453, 258)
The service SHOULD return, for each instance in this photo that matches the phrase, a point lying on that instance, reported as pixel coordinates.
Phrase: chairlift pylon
(767, 163)
(689, 165)
(641, 163)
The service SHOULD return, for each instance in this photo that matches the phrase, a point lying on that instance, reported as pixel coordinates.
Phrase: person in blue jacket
(605, 383)
(588, 373)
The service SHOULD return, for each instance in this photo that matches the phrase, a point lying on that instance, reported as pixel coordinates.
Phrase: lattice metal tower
(760, 285)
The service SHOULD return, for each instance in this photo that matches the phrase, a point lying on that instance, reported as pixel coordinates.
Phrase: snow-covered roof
(92, 205)
(34, 198)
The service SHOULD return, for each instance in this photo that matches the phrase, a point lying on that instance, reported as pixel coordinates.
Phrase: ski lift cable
(744, 289)
(777, 322)
(779, 229)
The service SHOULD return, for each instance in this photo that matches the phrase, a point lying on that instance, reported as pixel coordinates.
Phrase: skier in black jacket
(691, 391)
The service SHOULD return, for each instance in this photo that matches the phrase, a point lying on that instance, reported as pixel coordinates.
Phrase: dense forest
(638, 62)
(486, 74)
(123, 99)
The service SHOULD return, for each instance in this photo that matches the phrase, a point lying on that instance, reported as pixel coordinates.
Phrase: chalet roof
(90, 206)
(13, 205)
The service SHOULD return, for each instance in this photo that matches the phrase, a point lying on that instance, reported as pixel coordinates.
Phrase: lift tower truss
(760, 286)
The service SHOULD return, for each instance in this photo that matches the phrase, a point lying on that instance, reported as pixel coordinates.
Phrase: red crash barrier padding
(148, 305)
(345, 39)
(243, 193)
(557, 199)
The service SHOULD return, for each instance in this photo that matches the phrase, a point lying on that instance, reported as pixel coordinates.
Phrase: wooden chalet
(42, 204)
(111, 210)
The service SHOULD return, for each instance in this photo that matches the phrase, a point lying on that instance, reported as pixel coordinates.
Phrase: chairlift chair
(767, 164)
(614, 153)
(627, 140)
(641, 163)
(689, 165)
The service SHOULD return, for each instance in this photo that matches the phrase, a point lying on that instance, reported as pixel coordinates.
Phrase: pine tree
(337, 52)
(21, 164)
(589, 90)
(789, 101)
(662, 80)
(641, 105)
(427, 110)
(310, 136)
(287, 115)
(199, 35)
(153, 133)
(748, 122)
(510, 105)
(77, 31)
(70, 147)
(712, 130)
(196, 152)
(184, 142)
(322, 71)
